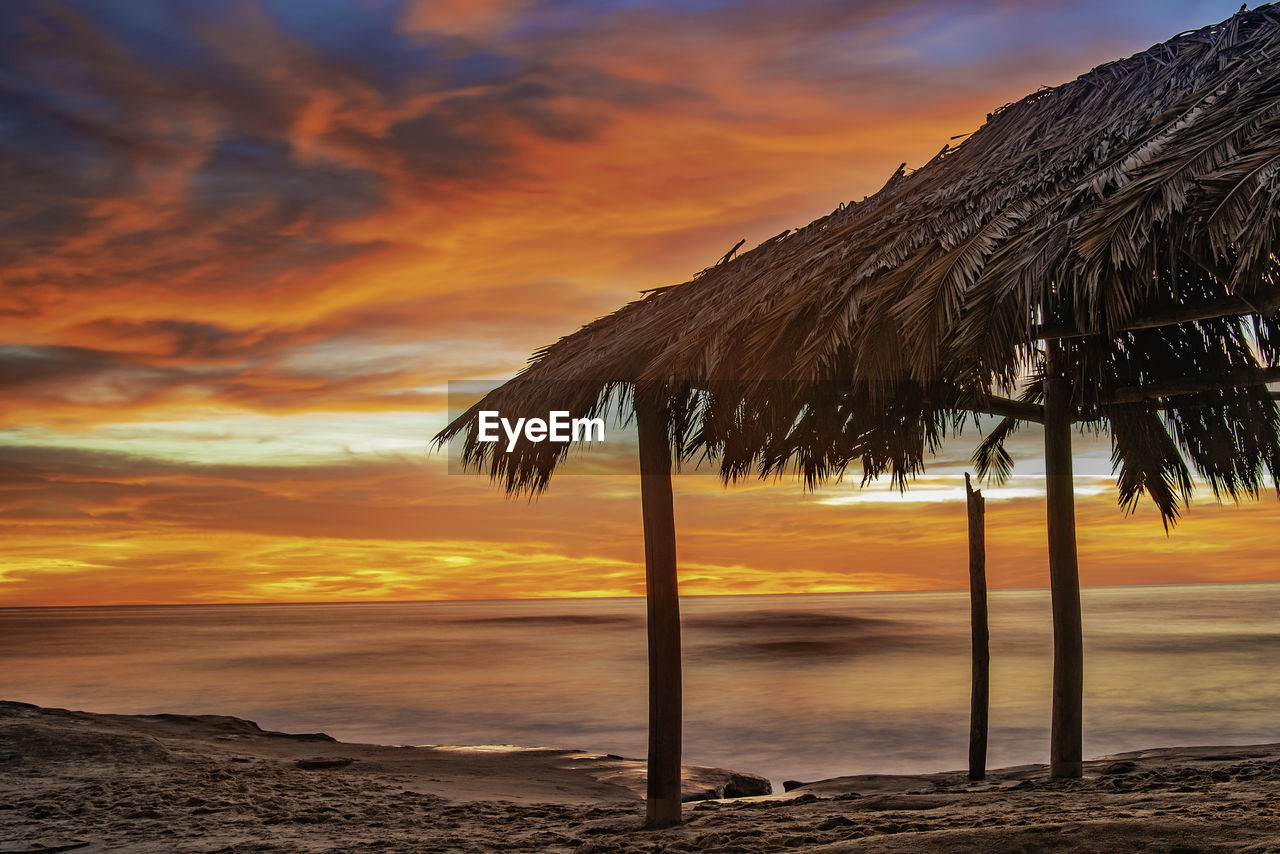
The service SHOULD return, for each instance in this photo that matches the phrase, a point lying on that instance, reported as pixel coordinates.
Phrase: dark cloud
(113, 110)
(369, 350)
(20, 464)
(478, 138)
(434, 148)
(125, 490)
(42, 511)
(177, 338)
(244, 171)
(103, 96)
(210, 155)
(27, 366)
(74, 379)
(99, 494)
(79, 376)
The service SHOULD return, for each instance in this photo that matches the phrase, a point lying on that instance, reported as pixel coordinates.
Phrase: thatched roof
(1144, 185)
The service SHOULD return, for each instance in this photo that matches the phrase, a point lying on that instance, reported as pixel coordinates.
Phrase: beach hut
(1101, 255)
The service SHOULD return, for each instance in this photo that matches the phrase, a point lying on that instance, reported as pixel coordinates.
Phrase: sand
(75, 781)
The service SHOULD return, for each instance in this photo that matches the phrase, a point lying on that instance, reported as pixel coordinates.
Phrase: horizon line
(638, 596)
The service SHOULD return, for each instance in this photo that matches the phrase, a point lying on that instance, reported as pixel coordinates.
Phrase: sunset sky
(246, 245)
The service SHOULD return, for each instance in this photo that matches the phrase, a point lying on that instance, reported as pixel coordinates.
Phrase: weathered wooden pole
(980, 697)
(1065, 751)
(663, 805)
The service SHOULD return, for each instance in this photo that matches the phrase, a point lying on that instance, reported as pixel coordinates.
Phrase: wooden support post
(663, 805)
(980, 698)
(1065, 750)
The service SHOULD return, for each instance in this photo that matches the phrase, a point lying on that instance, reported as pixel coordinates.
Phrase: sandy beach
(76, 781)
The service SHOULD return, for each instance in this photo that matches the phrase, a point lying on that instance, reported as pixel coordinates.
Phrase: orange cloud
(227, 212)
(85, 528)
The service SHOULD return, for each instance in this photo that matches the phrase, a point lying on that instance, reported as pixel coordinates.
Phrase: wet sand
(74, 781)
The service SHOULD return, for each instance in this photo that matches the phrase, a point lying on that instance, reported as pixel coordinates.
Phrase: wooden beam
(1065, 748)
(662, 807)
(1207, 310)
(1193, 384)
(980, 645)
(1006, 408)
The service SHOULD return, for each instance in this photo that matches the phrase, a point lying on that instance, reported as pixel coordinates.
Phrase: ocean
(791, 687)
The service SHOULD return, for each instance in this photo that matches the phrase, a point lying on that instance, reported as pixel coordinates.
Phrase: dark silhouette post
(662, 597)
(1065, 751)
(980, 697)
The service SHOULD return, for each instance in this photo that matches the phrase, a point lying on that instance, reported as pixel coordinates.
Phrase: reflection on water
(789, 686)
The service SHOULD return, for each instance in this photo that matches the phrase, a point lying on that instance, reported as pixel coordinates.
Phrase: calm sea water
(798, 687)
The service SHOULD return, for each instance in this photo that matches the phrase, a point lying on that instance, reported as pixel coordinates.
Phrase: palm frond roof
(1145, 185)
